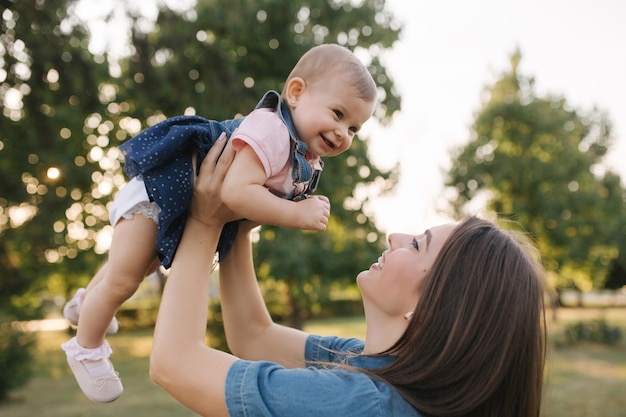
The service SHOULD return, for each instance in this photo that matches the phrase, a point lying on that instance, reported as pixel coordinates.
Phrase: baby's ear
(295, 88)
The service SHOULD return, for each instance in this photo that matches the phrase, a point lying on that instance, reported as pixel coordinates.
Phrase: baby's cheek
(344, 147)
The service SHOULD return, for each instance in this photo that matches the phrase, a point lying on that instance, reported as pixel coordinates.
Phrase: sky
(450, 50)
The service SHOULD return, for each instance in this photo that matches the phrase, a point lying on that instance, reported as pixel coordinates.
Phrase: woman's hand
(206, 205)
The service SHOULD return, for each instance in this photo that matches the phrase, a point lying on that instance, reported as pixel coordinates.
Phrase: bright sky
(451, 49)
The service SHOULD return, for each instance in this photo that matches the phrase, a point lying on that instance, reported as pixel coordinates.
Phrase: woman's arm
(180, 362)
(250, 331)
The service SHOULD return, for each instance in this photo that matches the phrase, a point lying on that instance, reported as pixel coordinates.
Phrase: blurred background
(449, 51)
(511, 110)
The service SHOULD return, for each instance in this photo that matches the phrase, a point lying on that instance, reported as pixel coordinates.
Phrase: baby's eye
(338, 113)
(415, 244)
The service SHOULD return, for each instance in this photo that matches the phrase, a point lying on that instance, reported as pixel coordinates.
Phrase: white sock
(94, 359)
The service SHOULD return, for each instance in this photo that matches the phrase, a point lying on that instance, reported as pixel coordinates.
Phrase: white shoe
(71, 311)
(101, 389)
(94, 371)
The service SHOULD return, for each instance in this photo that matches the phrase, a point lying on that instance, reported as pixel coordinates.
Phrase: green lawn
(582, 381)
(588, 379)
(53, 392)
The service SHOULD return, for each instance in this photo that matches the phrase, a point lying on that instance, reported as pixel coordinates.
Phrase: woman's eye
(416, 245)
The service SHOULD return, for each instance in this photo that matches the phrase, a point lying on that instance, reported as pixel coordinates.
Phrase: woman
(455, 327)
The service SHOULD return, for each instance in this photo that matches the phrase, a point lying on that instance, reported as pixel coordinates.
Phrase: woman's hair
(332, 60)
(476, 344)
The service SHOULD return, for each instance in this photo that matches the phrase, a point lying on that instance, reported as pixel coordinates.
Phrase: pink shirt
(264, 131)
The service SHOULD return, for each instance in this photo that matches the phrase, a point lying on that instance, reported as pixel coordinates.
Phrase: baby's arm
(245, 194)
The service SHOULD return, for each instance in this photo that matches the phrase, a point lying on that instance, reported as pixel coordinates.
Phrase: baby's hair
(326, 60)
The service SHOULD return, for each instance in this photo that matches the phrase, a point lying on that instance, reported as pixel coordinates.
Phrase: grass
(53, 392)
(581, 381)
(587, 379)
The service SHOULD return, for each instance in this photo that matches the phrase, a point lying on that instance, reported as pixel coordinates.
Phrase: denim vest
(301, 170)
(162, 157)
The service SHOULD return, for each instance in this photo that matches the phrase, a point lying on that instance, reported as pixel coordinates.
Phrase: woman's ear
(295, 88)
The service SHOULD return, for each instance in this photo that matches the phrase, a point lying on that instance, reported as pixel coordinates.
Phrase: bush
(597, 331)
(216, 336)
(16, 357)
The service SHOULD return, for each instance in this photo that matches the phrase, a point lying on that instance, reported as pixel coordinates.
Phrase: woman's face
(391, 285)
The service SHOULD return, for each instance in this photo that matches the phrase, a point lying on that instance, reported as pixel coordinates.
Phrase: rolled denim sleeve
(255, 389)
(330, 349)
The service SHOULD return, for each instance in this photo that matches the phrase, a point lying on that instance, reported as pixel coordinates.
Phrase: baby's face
(328, 114)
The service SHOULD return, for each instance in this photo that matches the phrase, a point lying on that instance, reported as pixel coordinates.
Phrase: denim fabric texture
(255, 389)
(162, 157)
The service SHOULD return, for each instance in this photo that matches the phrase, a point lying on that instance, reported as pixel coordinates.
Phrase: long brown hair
(476, 344)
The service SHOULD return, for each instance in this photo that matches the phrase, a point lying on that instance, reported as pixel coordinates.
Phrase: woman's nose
(392, 239)
(396, 240)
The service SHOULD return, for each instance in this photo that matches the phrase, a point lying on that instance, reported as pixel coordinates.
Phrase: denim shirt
(162, 157)
(264, 389)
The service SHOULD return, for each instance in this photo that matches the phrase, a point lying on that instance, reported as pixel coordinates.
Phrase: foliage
(616, 277)
(50, 210)
(537, 161)
(66, 110)
(16, 356)
(215, 327)
(597, 331)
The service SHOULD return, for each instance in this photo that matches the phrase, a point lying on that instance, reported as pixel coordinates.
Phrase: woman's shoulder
(330, 348)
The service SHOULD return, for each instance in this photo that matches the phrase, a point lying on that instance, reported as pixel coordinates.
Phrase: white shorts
(133, 199)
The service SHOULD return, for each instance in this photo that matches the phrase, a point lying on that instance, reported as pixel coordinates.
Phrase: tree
(48, 83)
(64, 115)
(49, 209)
(537, 161)
(616, 277)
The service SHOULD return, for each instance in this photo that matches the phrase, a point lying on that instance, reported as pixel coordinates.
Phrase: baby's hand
(314, 212)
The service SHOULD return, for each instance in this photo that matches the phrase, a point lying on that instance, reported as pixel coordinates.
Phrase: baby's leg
(131, 255)
(101, 272)
(96, 279)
